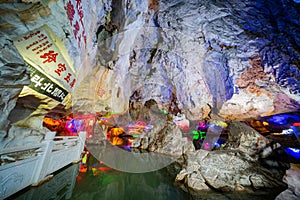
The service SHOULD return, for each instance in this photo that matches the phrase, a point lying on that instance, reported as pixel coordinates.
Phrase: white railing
(51, 155)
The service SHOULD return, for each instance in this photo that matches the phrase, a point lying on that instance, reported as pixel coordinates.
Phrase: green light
(165, 112)
(196, 135)
(202, 135)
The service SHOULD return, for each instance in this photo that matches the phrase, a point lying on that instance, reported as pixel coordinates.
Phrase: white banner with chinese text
(39, 50)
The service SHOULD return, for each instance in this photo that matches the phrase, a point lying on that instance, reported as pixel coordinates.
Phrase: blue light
(295, 153)
(282, 119)
(217, 144)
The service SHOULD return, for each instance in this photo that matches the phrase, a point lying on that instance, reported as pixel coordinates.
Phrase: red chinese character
(73, 83)
(79, 40)
(68, 77)
(50, 56)
(80, 13)
(61, 68)
(78, 2)
(75, 31)
(84, 37)
(70, 11)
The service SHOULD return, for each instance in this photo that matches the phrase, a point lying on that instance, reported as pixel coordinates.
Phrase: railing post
(81, 143)
(41, 168)
(82, 137)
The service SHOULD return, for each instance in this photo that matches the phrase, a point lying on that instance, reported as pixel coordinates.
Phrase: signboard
(42, 84)
(39, 50)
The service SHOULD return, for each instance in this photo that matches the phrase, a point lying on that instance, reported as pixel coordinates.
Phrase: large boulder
(165, 137)
(248, 161)
(224, 171)
(257, 148)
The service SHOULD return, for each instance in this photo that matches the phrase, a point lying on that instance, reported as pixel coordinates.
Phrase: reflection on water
(59, 187)
(101, 182)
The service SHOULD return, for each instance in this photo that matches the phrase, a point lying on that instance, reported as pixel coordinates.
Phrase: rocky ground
(292, 178)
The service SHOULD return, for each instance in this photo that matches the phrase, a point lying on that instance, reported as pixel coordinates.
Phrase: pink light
(202, 124)
(206, 146)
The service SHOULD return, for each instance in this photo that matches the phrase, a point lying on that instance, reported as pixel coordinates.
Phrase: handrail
(19, 148)
(34, 171)
(65, 137)
(66, 141)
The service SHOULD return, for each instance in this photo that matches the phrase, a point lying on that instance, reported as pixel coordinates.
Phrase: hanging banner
(39, 50)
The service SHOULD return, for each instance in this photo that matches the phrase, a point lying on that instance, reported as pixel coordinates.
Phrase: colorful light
(206, 146)
(165, 112)
(202, 125)
(198, 134)
(295, 153)
(287, 132)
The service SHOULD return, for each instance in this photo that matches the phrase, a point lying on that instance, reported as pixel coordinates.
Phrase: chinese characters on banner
(75, 15)
(38, 49)
(42, 84)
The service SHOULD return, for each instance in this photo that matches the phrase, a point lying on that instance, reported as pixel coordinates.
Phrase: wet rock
(292, 178)
(218, 57)
(248, 161)
(257, 148)
(224, 171)
(245, 106)
(247, 140)
(165, 137)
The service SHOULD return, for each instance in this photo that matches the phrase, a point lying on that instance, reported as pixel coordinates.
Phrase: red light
(296, 124)
(79, 178)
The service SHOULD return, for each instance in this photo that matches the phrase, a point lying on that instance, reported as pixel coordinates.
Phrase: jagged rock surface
(165, 137)
(18, 19)
(247, 162)
(292, 178)
(224, 171)
(202, 55)
(14, 75)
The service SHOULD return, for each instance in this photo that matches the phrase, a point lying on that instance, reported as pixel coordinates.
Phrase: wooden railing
(45, 158)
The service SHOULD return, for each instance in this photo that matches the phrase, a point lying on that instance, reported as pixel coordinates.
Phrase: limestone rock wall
(18, 18)
(236, 59)
(14, 75)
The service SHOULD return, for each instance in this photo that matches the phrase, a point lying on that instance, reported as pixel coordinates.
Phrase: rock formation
(245, 165)
(199, 56)
(292, 178)
(20, 18)
(231, 59)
